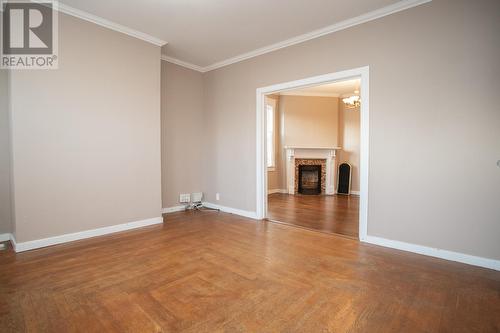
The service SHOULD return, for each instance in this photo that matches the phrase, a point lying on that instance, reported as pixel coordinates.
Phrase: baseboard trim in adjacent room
(278, 190)
(39, 243)
(173, 209)
(240, 212)
(5, 237)
(434, 252)
(355, 192)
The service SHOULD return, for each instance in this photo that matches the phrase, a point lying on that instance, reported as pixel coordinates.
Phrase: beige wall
(305, 121)
(182, 132)
(86, 137)
(433, 178)
(5, 202)
(349, 140)
(310, 121)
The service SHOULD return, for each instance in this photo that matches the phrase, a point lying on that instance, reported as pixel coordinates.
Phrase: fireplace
(324, 156)
(308, 167)
(309, 181)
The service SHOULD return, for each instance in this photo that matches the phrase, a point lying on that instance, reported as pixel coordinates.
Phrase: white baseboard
(35, 244)
(355, 192)
(245, 213)
(278, 190)
(4, 237)
(434, 252)
(173, 209)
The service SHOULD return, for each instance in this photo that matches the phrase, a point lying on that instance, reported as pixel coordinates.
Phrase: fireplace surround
(308, 165)
(323, 156)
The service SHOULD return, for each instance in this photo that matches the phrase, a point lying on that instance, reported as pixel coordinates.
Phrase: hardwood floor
(216, 272)
(337, 214)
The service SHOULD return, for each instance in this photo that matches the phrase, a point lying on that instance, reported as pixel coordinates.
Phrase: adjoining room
(313, 149)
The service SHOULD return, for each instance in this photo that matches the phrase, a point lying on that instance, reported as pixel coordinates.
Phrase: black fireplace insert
(309, 179)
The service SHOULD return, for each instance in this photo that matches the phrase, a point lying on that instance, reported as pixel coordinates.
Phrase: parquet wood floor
(217, 272)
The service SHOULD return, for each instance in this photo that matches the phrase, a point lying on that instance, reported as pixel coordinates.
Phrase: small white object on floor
(2, 246)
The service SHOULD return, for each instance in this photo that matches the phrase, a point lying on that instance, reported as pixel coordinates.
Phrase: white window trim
(273, 106)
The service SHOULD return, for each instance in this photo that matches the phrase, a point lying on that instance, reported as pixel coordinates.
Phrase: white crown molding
(109, 24)
(370, 16)
(182, 63)
(38, 243)
(348, 95)
(435, 252)
(309, 94)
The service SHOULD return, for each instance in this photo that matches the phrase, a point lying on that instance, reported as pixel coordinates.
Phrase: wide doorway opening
(313, 165)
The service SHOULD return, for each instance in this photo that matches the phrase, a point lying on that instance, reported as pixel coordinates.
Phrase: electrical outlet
(185, 198)
(217, 196)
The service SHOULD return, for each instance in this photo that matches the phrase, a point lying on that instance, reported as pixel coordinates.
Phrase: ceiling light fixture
(352, 101)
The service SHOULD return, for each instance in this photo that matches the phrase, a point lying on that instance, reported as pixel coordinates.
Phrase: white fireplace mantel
(313, 148)
(326, 153)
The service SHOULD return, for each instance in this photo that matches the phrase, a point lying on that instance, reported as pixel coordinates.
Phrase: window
(271, 156)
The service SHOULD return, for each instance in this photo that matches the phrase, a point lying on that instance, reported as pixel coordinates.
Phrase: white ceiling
(203, 33)
(335, 89)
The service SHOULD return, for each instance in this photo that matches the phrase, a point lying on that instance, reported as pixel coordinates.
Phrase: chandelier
(352, 101)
